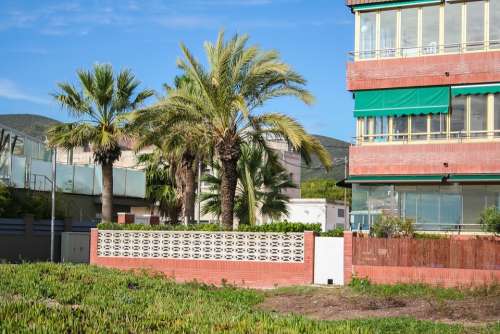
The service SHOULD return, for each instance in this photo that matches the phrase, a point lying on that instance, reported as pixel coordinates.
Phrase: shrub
(490, 220)
(338, 232)
(274, 227)
(388, 226)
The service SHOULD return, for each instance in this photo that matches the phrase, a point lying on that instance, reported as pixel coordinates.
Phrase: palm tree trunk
(188, 196)
(229, 180)
(107, 192)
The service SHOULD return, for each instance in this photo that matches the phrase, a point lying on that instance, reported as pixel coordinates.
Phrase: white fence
(227, 246)
(328, 260)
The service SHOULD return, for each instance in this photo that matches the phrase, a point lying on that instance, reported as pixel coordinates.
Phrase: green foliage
(490, 220)
(261, 182)
(55, 298)
(324, 188)
(388, 226)
(338, 233)
(273, 227)
(4, 197)
(364, 286)
(38, 204)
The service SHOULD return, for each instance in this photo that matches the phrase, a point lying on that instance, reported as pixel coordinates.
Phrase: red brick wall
(465, 68)
(240, 273)
(414, 159)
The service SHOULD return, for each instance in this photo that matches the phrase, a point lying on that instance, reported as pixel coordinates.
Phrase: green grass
(50, 298)
(422, 291)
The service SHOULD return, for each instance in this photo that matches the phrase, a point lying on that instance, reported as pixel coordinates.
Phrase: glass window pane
(452, 26)
(438, 126)
(494, 24)
(419, 127)
(479, 114)
(430, 29)
(381, 128)
(497, 112)
(457, 127)
(367, 38)
(450, 211)
(400, 128)
(409, 31)
(475, 25)
(388, 33)
(359, 197)
(474, 202)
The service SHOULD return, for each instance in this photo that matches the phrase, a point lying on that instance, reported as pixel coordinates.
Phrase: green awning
(475, 178)
(394, 4)
(382, 179)
(402, 101)
(475, 89)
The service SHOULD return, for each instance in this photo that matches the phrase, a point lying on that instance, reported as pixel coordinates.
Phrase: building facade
(425, 77)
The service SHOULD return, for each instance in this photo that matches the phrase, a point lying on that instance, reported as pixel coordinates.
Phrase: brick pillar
(309, 255)
(126, 218)
(93, 245)
(28, 226)
(348, 252)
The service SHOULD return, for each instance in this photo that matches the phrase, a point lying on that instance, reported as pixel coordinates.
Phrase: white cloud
(10, 91)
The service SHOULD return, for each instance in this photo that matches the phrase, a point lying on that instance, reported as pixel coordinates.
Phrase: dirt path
(341, 304)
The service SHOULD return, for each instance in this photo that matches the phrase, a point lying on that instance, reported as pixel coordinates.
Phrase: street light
(53, 208)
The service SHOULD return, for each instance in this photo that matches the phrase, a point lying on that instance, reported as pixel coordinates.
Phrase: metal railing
(405, 138)
(429, 50)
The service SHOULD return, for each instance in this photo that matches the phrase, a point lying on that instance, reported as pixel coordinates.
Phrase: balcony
(431, 70)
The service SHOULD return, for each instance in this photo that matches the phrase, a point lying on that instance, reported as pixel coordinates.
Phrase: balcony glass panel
(136, 182)
(430, 30)
(119, 180)
(388, 24)
(479, 115)
(452, 26)
(475, 25)
(400, 128)
(438, 126)
(368, 33)
(458, 119)
(18, 171)
(419, 127)
(494, 24)
(496, 114)
(64, 178)
(409, 31)
(83, 180)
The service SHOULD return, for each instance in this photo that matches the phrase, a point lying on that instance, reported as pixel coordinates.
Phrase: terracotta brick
(467, 68)
(415, 159)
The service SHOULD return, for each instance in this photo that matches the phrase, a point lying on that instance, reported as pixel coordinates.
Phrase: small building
(318, 211)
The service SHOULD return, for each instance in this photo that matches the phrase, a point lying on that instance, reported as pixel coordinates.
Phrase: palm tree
(160, 184)
(101, 106)
(183, 143)
(261, 182)
(227, 105)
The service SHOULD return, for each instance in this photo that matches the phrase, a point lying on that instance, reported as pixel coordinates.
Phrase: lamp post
(53, 208)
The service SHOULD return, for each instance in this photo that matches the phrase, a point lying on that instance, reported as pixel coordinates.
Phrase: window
(452, 26)
(457, 116)
(368, 32)
(430, 30)
(388, 33)
(438, 126)
(409, 31)
(478, 115)
(367, 128)
(496, 113)
(400, 128)
(340, 213)
(475, 25)
(494, 24)
(419, 127)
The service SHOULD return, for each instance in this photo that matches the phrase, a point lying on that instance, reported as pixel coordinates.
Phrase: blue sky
(45, 42)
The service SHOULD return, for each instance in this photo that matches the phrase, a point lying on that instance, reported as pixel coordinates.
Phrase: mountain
(338, 150)
(33, 125)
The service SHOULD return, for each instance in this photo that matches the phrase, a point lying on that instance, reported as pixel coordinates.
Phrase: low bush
(338, 232)
(490, 220)
(388, 226)
(273, 227)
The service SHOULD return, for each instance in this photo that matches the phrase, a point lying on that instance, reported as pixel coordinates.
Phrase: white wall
(328, 260)
(315, 211)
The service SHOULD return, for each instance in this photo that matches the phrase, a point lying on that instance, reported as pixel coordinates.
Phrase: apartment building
(425, 77)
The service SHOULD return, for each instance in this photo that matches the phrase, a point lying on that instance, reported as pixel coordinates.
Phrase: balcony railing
(404, 138)
(429, 50)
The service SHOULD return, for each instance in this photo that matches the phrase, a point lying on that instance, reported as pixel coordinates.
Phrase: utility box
(75, 247)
